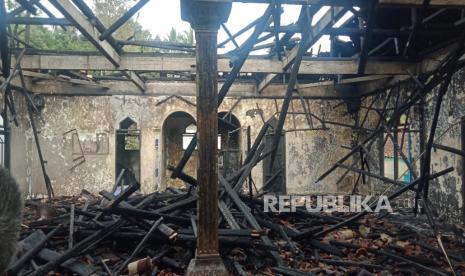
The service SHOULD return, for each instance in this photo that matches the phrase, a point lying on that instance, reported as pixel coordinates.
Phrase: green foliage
(184, 37)
(56, 38)
(108, 11)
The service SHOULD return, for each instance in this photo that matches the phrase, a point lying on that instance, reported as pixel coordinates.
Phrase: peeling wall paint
(95, 120)
(446, 193)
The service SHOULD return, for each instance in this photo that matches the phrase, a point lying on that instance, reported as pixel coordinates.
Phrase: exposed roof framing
(185, 63)
(375, 47)
(85, 26)
(316, 32)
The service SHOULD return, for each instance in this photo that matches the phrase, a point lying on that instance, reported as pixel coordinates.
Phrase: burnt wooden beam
(4, 48)
(301, 49)
(416, 26)
(247, 214)
(138, 248)
(241, 31)
(19, 264)
(367, 38)
(449, 149)
(123, 19)
(231, 37)
(394, 195)
(48, 183)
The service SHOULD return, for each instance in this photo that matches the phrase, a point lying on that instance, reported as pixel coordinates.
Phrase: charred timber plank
(150, 215)
(71, 227)
(190, 201)
(449, 149)
(290, 271)
(16, 267)
(138, 247)
(4, 48)
(248, 215)
(224, 210)
(226, 241)
(124, 194)
(162, 228)
(351, 263)
(326, 247)
(394, 195)
(373, 175)
(33, 241)
(230, 232)
(97, 236)
(394, 256)
(368, 35)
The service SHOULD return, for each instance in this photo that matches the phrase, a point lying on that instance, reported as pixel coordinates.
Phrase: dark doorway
(127, 151)
(178, 130)
(274, 179)
(229, 154)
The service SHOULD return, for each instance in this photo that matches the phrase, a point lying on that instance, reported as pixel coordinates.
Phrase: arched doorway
(178, 130)
(229, 153)
(274, 179)
(127, 151)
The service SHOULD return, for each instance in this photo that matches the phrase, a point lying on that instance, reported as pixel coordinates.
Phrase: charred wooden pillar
(206, 18)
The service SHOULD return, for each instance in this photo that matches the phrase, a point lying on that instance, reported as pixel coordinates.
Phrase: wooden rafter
(88, 29)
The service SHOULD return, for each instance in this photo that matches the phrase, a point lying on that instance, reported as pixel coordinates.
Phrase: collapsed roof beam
(88, 29)
(316, 32)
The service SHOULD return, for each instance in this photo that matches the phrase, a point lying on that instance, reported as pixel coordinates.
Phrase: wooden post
(206, 18)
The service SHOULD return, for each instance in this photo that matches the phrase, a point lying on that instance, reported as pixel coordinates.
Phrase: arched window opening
(127, 151)
(178, 130)
(229, 154)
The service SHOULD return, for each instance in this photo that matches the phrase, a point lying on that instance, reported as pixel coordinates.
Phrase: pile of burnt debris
(123, 232)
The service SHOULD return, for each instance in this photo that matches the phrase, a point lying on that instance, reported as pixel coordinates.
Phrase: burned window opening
(178, 130)
(229, 154)
(393, 164)
(128, 150)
